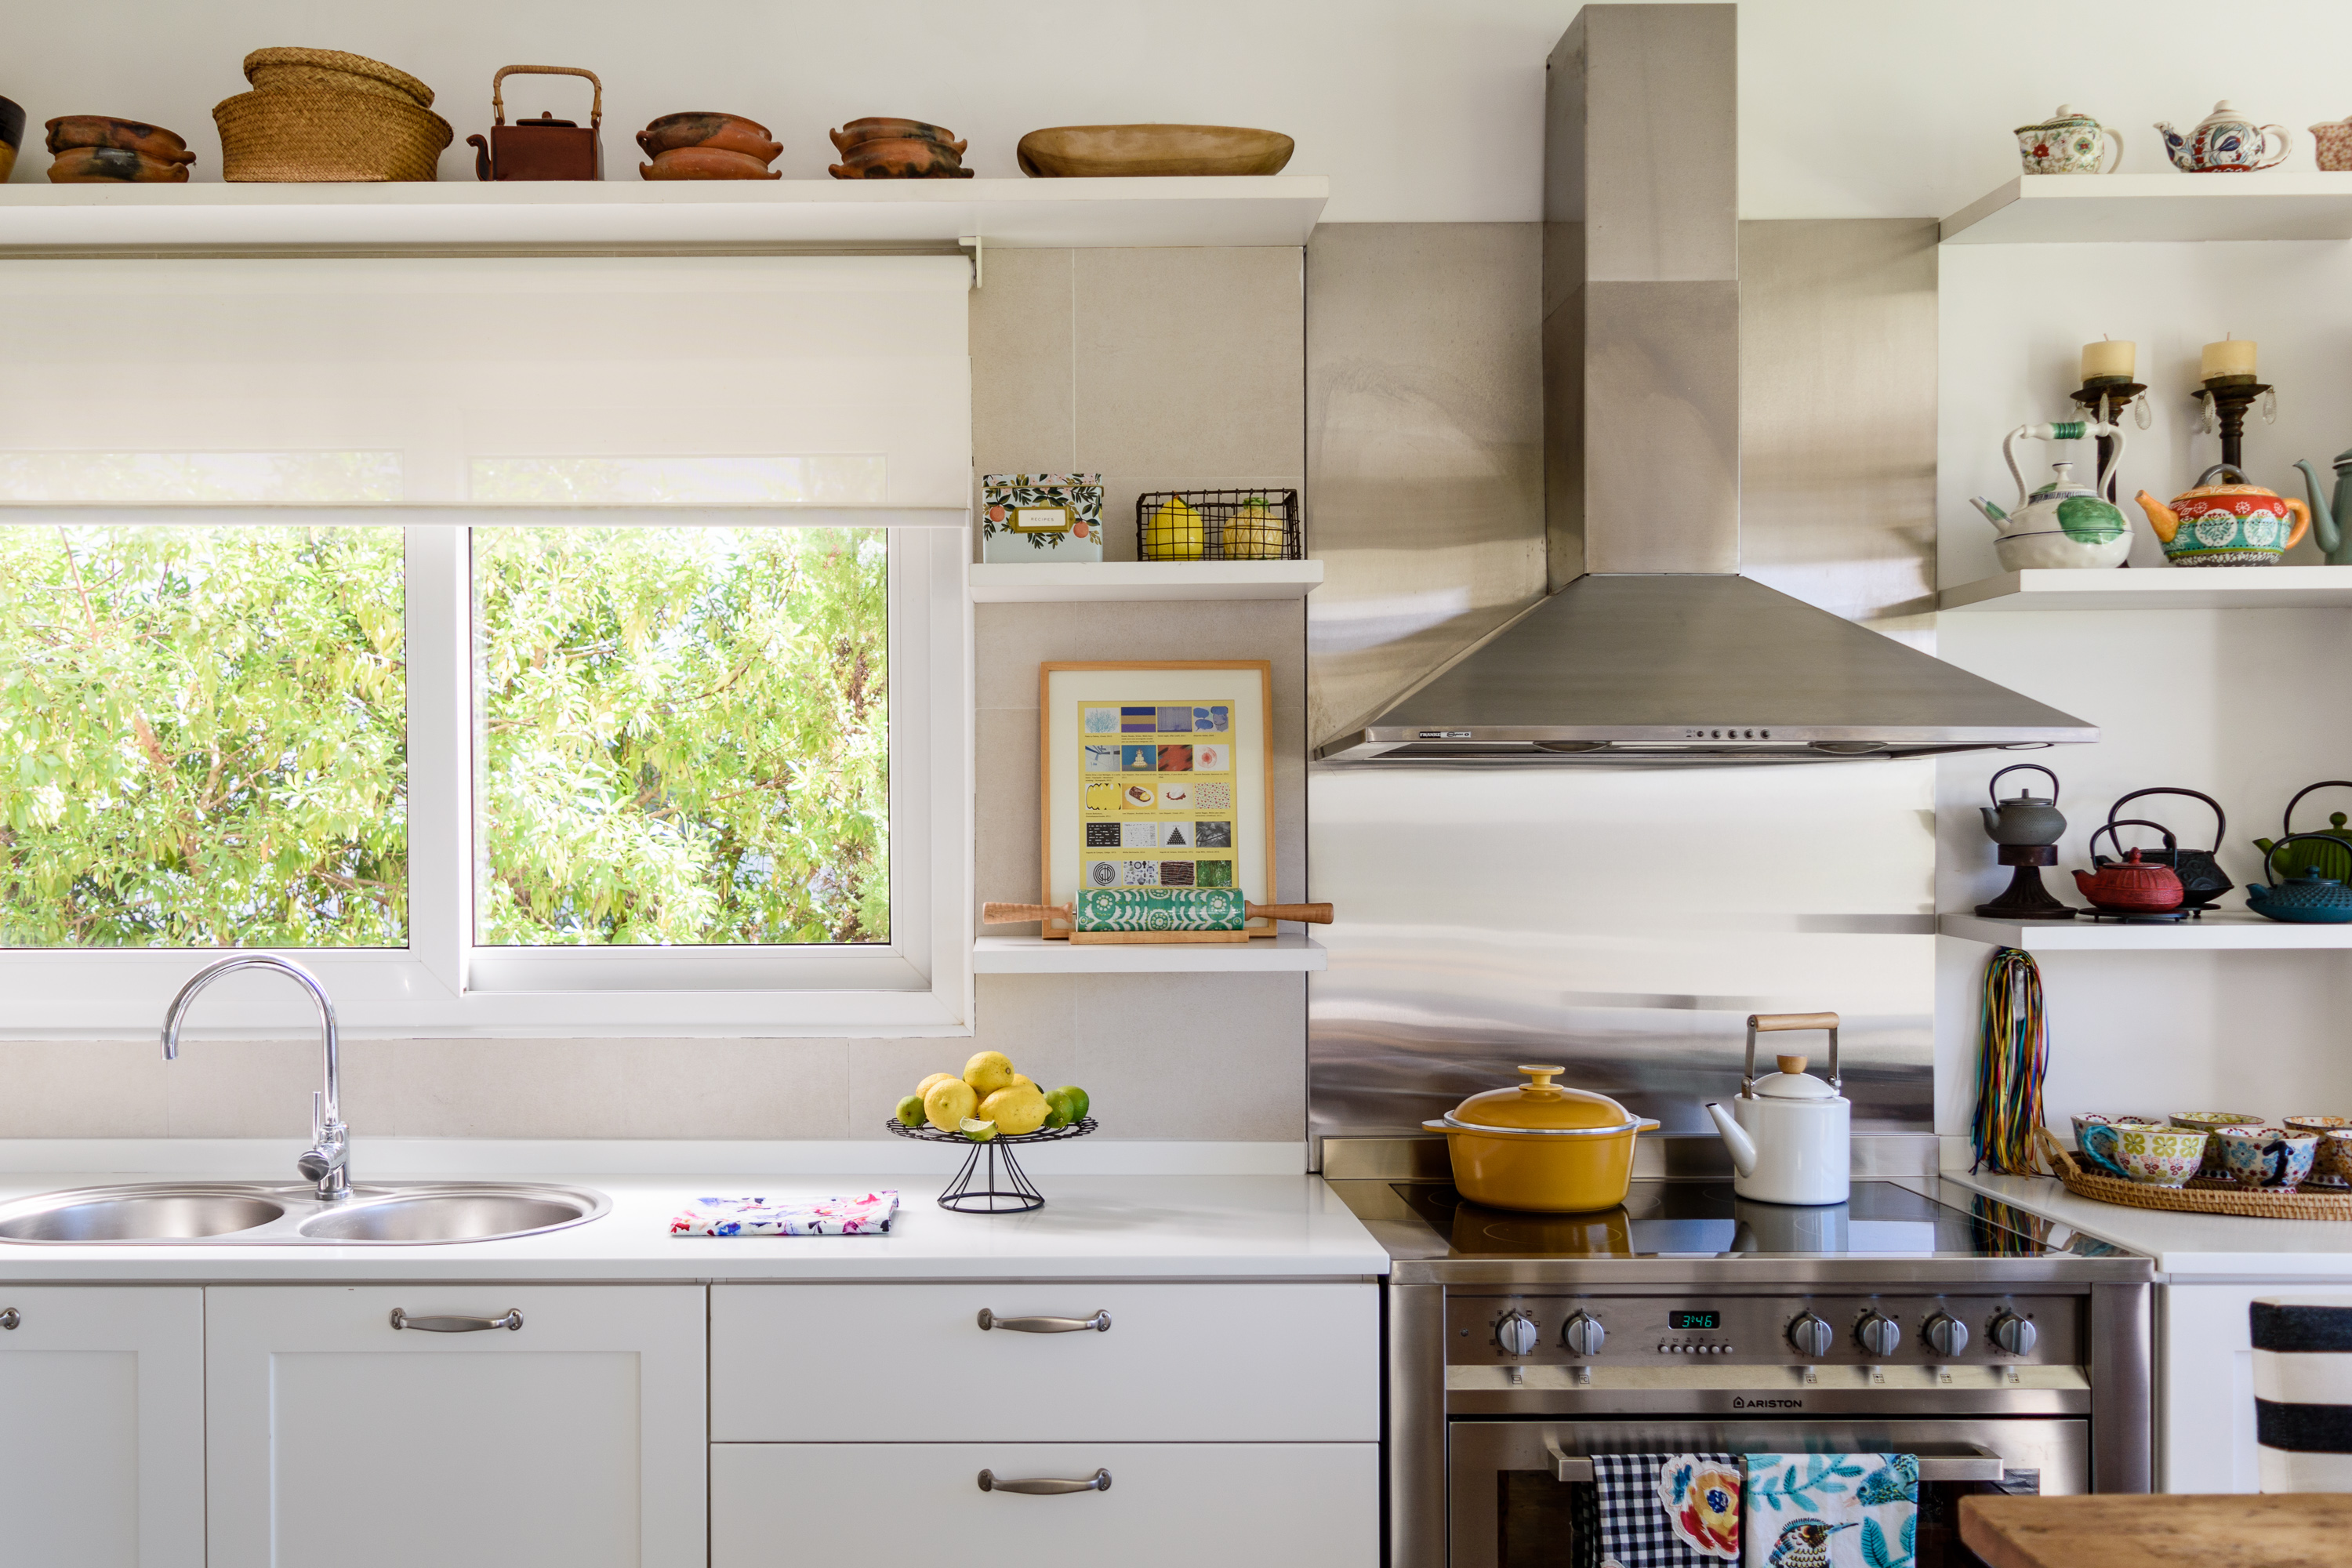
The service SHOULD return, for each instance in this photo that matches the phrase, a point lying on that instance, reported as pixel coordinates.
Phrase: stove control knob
(1583, 1335)
(2013, 1333)
(1516, 1334)
(1878, 1334)
(1811, 1336)
(1947, 1336)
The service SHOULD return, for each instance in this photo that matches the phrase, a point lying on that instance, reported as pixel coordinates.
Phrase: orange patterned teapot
(2240, 524)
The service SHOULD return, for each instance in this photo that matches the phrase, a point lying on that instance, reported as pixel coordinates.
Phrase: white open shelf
(1061, 582)
(1286, 954)
(2240, 929)
(1274, 210)
(2162, 588)
(2073, 208)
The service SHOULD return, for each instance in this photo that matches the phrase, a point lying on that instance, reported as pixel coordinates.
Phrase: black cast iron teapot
(2202, 880)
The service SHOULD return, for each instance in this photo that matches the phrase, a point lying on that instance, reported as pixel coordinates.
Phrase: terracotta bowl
(112, 165)
(701, 128)
(707, 163)
(129, 135)
(12, 134)
(909, 159)
(1066, 151)
(881, 130)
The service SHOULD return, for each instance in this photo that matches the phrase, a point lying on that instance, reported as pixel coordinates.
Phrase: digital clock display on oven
(1685, 1321)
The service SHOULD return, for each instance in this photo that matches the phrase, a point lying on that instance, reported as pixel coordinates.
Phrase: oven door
(1510, 1484)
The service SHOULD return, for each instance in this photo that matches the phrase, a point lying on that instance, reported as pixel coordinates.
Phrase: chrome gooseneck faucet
(326, 1162)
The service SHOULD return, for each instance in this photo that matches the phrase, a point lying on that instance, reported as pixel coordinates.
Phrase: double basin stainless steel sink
(244, 1213)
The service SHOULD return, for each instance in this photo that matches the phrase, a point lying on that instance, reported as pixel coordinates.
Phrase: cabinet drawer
(819, 1504)
(817, 1364)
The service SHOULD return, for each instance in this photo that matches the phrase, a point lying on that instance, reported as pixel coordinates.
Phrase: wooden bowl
(129, 135)
(707, 163)
(1079, 151)
(882, 130)
(112, 165)
(901, 159)
(705, 128)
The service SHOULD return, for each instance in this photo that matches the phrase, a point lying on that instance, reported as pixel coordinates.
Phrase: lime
(1058, 1108)
(979, 1131)
(911, 1111)
(1079, 1103)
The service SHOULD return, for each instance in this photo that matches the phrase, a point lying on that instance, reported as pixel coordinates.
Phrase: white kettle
(1790, 1133)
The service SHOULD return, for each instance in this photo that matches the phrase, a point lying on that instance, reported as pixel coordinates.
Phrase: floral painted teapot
(2241, 524)
(2068, 143)
(2225, 143)
(2063, 524)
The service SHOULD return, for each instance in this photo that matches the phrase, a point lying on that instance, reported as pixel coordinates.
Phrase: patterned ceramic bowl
(2331, 1165)
(2215, 1122)
(2158, 1156)
(2090, 1119)
(2317, 1126)
(2267, 1157)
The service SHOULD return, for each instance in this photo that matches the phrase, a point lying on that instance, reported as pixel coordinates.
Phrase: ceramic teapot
(2068, 142)
(2132, 885)
(2225, 143)
(2063, 523)
(1790, 1133)
(2331, 144)
(2327, 850)
(2024, 818)
(2327, 519)
(2202, 880)
(2310, 897)
(2240, 524)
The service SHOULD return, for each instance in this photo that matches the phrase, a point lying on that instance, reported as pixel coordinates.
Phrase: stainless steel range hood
(1656, 649)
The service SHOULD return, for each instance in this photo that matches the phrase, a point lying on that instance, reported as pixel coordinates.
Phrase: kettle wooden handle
(1768, 1023)
(498, 106)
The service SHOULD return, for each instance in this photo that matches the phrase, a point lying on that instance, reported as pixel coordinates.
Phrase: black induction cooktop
(1708, 1219)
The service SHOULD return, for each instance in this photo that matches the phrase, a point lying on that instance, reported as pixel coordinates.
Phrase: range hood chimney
(1656, 649)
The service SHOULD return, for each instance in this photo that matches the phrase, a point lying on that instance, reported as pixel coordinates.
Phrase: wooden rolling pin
(1156, 914)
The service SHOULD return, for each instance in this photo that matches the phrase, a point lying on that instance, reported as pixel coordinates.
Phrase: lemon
(978, 1131)
(911, 1111)
(950, 1101)
(925, 1086)
(987, 1072)
(1172, 533)
(1019, 1079)
(1079, 1103)
(1058, 1108)
(1016, 1109)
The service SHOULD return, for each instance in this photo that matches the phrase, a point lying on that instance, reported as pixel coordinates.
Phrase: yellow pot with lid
(1541, 1146)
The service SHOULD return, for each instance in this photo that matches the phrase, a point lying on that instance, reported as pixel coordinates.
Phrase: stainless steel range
(2007, 1352)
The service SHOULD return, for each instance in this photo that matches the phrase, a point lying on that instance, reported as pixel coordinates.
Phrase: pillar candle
(2231, 356)
(2108, 361)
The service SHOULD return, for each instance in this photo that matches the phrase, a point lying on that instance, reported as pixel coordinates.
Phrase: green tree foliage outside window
(685, 736)
(201, 738)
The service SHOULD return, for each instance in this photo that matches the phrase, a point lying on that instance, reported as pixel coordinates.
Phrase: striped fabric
(2303, 1392)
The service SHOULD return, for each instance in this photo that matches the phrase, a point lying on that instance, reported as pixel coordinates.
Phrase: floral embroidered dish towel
(868, 1215)
(1659, 1510)
(1831, 1510)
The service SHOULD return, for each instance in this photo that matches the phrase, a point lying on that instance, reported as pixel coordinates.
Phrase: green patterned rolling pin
(1156, 909)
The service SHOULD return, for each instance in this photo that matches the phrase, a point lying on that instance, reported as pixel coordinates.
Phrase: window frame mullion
(439, 625)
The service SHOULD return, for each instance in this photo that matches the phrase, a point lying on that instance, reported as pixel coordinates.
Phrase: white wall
(1420, 110)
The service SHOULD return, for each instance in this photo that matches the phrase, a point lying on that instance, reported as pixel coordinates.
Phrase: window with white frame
(527, 644)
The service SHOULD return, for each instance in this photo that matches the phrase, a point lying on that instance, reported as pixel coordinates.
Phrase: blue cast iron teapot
(2308, 898)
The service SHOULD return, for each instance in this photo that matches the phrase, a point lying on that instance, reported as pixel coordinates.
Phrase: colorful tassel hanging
(2013, 1058)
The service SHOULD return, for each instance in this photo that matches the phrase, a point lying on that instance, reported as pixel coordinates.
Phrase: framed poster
(1157, 775)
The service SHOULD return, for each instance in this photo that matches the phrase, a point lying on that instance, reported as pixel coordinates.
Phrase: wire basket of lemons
(989, 1107)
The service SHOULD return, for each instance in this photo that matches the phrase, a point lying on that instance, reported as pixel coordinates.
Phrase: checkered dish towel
(867, 1216)
(1659, 1510)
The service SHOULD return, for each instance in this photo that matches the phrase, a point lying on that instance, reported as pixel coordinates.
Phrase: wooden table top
(2286, 1530)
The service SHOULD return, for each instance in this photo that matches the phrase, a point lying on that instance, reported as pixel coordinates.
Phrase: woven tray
(2200, 1196)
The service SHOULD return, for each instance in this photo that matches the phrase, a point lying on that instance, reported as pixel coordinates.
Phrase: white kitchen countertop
(2187, 1247)
(1093, 1228)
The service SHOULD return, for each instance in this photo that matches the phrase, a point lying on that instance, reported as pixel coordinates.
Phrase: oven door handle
(1979, 1464)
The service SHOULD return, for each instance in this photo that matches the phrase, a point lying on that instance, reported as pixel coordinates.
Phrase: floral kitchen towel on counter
(867, 1215)
(1831, 1510)
(1660, 1511)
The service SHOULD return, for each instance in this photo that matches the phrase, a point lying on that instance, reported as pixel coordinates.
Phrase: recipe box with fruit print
(1033, 518)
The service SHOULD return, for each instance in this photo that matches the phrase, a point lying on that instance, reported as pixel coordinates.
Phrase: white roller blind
(426, 381)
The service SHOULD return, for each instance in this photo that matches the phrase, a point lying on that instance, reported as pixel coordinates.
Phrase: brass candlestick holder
(2226, 399)
(2107, 397)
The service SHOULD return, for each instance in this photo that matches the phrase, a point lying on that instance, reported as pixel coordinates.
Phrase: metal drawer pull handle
(1100, 1323)
(401, 1319)
(1045, 1486)
(11, 1318)
(1979, 1463)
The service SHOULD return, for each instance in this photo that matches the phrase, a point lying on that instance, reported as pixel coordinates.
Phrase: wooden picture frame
(1238, 790)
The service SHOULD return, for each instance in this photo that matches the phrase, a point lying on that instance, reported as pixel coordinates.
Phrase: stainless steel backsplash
(1620, 923)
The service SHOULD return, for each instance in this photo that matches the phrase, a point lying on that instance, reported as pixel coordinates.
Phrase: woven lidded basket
(318, 134)
(2198, 1197)
(273, 70)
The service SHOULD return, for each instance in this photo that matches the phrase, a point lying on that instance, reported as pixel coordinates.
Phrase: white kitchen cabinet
(1180, 1363)
(103, 1423)
(1170, 1505)
(2205, 1381)
(577, 1440)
